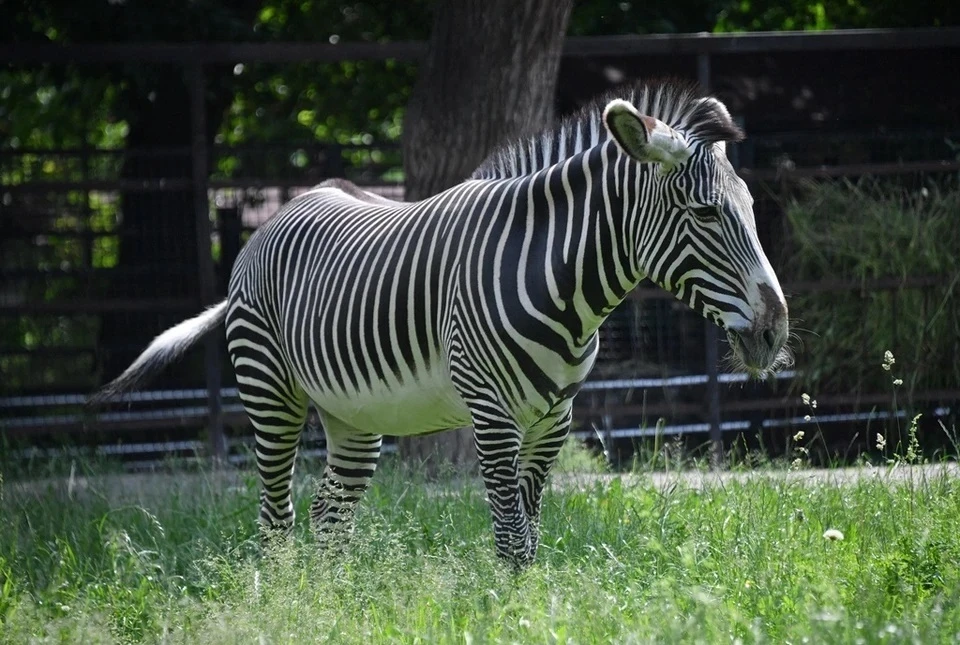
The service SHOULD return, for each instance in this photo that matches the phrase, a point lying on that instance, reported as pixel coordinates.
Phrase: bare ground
(146, 486)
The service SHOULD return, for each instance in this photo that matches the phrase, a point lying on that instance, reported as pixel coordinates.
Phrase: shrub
(864, 231)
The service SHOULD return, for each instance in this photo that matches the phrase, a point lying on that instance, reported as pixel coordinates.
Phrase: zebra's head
(695, 230)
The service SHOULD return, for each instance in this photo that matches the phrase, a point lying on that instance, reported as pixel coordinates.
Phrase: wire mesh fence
(105, 247)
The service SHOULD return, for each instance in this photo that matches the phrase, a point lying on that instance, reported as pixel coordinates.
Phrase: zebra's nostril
(769, 338)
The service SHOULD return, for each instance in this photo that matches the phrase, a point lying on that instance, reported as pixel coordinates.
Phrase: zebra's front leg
(352, 458)
(498, 450)
(538, 452)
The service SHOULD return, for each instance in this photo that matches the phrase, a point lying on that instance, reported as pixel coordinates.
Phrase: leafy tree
(774, 15)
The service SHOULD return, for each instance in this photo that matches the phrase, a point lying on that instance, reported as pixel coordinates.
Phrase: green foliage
(807, 15)
(152, 558)
(349, 102)
(615, 18)
(576, 458)
(869, 231)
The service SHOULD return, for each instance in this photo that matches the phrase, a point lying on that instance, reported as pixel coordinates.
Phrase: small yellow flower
(833, 535)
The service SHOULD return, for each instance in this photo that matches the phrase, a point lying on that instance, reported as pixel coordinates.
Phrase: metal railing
(203, 185)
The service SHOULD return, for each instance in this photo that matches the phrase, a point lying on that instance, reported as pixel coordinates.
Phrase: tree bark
(489, 76)
(158, 244)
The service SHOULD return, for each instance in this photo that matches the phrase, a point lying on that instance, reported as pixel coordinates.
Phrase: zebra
(481, 305)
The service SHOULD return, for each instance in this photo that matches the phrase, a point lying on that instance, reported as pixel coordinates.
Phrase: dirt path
(144, 486)
(828, 476)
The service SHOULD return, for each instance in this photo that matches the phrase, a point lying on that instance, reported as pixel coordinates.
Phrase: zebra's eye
(706, 213)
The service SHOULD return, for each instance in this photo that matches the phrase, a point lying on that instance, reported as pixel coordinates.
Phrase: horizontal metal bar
(762, 41)
(113, 273)
(849, 170)
(675, 381)
(873, 415)
(663, 431)
(196, 394)
(216, 150)
(822, 286)
(156, 185)
(165, 305)
(310, 147)
(834, 400)
(292, 182)
(574, 47)
(194, 412)
(145, 396)
(740, 426)
(161, 185)
(873, 284)
(208, 53)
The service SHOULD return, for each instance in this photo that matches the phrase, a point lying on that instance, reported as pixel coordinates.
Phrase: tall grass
(176, 559)
(868, 230)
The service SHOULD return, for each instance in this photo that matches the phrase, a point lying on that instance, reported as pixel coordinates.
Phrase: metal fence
(67, 305)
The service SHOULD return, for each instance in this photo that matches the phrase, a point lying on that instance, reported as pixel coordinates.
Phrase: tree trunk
(158, 244)
(157, 250)
(489, 76)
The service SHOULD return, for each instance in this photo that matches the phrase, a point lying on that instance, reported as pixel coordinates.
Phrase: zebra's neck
(589, 231)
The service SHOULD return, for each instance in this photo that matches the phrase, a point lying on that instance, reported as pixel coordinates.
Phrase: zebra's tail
(165, 349)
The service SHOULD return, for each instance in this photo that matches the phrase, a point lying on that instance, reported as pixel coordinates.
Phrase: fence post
(711, 337)
(208, 276)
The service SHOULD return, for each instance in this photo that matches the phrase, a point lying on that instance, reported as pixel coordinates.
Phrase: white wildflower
(799, 436)
(833, 535)
(888, 360)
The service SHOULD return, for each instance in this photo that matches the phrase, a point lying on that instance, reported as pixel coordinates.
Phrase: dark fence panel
(96, 243)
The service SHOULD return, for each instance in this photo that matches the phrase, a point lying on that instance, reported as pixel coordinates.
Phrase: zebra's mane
(679, 104)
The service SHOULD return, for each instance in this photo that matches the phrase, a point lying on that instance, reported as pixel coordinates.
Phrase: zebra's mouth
(758, 353)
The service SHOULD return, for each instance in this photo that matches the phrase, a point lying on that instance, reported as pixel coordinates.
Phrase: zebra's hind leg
(277, 408)
(352, 457)
(538, 452)
(277, 430)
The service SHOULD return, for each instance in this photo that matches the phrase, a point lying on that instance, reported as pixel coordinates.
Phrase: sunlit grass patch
(623, 560)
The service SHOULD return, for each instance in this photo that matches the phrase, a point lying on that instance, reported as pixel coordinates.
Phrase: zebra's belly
(428, 404)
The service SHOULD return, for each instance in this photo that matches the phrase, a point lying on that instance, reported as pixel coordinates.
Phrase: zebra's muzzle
(761, 349)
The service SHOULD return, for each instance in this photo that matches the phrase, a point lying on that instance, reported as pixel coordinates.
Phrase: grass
(176, 560)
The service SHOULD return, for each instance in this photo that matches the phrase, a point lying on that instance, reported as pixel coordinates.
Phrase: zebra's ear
(646, 139)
